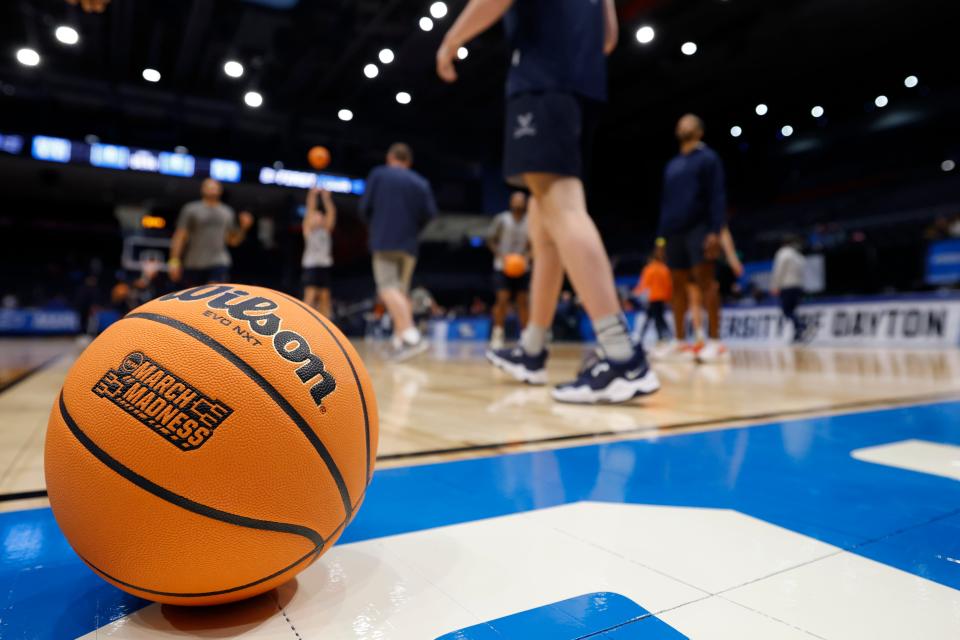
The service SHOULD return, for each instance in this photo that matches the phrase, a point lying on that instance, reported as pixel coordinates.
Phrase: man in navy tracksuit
(693, 215)
(556, 82)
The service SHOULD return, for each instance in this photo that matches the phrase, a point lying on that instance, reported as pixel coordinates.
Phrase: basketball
(319, 157)
(514, 265)
(211, 445)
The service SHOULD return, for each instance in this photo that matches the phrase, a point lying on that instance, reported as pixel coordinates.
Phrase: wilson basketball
(514, 265)
(211, 445)
(319, 157)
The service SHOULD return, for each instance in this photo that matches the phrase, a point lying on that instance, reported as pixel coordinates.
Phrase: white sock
(613, 337)
(533, 340)
(411, 335)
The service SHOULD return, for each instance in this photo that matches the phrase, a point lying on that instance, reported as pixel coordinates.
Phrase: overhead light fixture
(151, 75)
(948, 165)
(386, 56)
(736, 131)
(761, 109)
(910, 82)
(645, 34)
(786, 131)
(881, 101)
(345, 114)
(426, 24)
(233, 68)
(689, 48)
(403, 97)
(438, 9)
(67, 35)
(462, 53)
(28, 57)
(371, 70)
(180, 149)
(253, 99)
(817, 111)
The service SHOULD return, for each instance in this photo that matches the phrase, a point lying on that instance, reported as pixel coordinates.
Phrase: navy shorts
(548, 132)
(316, 277)
(502, 282)
(685, 250)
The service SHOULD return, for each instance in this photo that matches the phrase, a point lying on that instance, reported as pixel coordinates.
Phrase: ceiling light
(948, 165)
(786, 131)
(345, 114)
(426, 24)
(689, 48)
(761, 109)
(403, 97)
(386, 56)
(67, 35)
(645, 34)
(151, 75)
(881, 101)
(371, 71)
(233, 68)
(180, 149)
(910, 82)
(817, 112)
(253, 99)
(736, 131)
(28, 57)
(438, 9)
(462, 53)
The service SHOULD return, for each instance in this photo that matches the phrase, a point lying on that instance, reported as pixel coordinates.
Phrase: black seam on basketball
(356, 378)
(317, 550)
(176, 499)
(267, 388)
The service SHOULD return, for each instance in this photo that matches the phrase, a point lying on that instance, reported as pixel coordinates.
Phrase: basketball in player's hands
(514, 265)
(319, 157)
(211, 445)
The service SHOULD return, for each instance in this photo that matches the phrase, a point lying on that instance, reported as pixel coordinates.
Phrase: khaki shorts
(393, 270)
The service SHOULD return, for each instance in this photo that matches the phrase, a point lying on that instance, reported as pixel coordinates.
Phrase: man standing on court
(556, 82)
(397, 204)
(508, 235)
(198, 251)
(693, 215)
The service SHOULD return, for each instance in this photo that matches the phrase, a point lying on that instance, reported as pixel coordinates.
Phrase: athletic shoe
(673, 351)
(496, 339)
(516, 362)
(713, 352)
(406, 350)
(602, 380)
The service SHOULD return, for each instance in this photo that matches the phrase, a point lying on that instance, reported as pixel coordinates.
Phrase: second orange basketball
(318, 157)
(514, 265)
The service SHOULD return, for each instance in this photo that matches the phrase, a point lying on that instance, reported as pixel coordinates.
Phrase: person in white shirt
(787, 282)
(508, 234)
(318, 224)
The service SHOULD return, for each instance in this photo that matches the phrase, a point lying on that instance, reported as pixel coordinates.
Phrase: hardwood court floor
(451, 403)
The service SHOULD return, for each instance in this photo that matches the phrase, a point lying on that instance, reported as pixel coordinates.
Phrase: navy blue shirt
(397, 203)
(693, 193)
(557, 45)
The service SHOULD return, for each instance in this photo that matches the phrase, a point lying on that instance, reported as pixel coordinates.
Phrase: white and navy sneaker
(516, 362)
(602, 380)
(406, 350)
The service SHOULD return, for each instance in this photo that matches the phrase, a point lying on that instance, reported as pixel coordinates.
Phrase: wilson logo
(257, 313)
(162, 401)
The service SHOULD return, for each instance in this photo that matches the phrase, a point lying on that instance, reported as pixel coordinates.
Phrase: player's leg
(499, 312)
(706, 286)
(527, 362)
(311, 295)
(621, 372)
(523, 304)
(387, 272)
(324, 302)
(680, 302)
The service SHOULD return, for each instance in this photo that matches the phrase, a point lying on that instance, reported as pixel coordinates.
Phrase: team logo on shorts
(524, 126)
(162, 401)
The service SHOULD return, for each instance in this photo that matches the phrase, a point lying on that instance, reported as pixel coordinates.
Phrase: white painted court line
(924, 456)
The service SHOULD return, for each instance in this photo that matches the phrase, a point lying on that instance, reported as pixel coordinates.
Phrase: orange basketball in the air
(319, 157)
(514, 265)
(211, 444)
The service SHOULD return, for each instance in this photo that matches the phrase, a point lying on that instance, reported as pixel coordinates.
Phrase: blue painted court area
(798, 475)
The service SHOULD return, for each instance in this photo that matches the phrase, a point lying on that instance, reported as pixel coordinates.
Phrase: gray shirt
(511, 236)
(208, 227)
(788, 266)
(316, 249)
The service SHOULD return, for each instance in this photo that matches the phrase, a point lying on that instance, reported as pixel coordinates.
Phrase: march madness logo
(162, 401)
